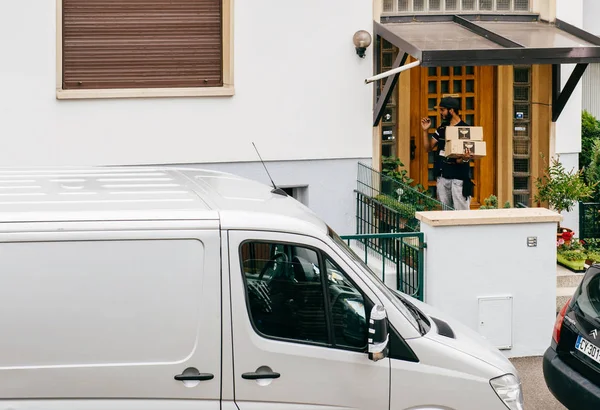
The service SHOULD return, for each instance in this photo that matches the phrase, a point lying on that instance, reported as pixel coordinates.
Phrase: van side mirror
(378, 333)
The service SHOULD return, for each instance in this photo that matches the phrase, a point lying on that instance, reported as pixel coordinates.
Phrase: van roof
(143, 193)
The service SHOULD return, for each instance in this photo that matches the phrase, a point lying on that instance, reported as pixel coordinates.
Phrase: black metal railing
(386, 226)
(589, 220)
(375, 215)
(386, 205)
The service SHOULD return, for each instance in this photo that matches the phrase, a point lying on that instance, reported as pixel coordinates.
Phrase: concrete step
(563, 294)
(568, 279)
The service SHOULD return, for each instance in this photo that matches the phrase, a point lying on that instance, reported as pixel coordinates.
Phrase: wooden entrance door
(475, 89)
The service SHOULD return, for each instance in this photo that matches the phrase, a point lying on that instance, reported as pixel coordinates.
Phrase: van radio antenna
(275, 190)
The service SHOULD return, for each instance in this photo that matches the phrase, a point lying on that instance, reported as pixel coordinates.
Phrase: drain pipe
(393, 71)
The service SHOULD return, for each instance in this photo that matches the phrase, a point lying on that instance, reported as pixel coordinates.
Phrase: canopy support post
(560, 98)
(386, 94)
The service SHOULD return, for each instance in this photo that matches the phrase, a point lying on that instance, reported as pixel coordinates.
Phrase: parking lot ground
(535, 392)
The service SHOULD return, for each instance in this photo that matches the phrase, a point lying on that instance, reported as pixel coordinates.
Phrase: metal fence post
(421, 267)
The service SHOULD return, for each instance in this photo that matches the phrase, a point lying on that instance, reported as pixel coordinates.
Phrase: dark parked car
(572, 362)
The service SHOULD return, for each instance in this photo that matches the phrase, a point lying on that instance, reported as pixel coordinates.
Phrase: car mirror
(378, 333)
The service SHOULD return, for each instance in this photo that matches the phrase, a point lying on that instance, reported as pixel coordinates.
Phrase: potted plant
(572, 254)
(394, 174)
(592, 257)
(572, 260)
(561, 189)
(405, 211)
(592, 248)
(491, 202)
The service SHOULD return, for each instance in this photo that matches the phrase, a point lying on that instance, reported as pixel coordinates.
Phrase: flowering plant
(567, 235)
(572, 249)
(570, 245)
(575, 249)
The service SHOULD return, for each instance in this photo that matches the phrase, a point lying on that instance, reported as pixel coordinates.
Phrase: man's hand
(467, 155)
(425, 123)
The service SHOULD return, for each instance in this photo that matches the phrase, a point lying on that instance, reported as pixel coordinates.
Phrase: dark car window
(299, 294)
(347, 308)
(285, 293)
(588, 299)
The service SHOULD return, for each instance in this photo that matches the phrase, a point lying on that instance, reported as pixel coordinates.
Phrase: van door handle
(261, 375)
(199, 376)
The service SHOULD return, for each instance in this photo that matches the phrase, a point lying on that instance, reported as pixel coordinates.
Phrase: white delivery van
(151, 288)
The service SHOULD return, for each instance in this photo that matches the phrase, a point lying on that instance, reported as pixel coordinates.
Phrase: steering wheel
(271, 263)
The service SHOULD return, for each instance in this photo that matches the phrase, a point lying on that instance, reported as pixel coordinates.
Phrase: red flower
(567, 235)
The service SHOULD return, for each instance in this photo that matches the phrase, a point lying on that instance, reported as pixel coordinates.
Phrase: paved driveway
(535, 393)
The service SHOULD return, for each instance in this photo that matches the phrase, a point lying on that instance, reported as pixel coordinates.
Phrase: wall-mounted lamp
(362, 40)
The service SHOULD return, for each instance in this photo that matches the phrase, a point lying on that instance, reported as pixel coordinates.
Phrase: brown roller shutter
(142, 44)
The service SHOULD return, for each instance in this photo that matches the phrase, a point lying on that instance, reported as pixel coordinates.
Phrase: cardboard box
(464, 133)
(457, 148)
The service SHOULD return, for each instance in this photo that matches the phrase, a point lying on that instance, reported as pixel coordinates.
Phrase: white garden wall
(480, 259)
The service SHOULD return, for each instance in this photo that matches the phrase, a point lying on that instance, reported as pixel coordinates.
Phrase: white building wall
(591, 90)
(299, 95)
(568, 127)
(545, 8)
(591, 10)
(299, 86)
(591, 78)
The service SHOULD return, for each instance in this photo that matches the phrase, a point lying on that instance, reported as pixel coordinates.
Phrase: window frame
(522, 193)
(322, 257)
(226, 90)
(458, 10)
(367, 304)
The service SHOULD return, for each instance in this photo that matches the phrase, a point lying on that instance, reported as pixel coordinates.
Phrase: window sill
(225, 91)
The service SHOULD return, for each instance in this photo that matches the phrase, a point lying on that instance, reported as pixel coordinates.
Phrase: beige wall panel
(504, 133)
(541, 110)
(404, 117)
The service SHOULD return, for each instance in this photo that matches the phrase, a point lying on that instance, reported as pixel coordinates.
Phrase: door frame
(414, 106)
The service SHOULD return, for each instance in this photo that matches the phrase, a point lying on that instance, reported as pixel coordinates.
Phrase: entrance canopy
(492, 40)
(503, 40)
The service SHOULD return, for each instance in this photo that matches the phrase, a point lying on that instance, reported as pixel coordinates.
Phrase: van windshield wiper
(416, 314)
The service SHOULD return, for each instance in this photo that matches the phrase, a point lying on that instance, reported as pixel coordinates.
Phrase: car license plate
(588, 348)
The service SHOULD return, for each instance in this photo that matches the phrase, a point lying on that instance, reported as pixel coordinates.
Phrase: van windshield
(391, 296)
